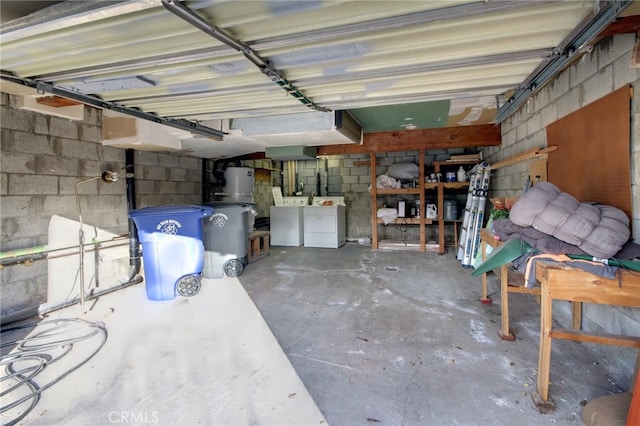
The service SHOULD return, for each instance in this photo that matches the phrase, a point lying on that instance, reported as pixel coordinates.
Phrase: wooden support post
(505, 333)
(484, 297)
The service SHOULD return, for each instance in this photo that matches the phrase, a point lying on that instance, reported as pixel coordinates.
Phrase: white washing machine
(325, 225)
(287, 222)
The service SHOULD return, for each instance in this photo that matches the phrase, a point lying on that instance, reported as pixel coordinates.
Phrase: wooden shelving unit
(419, 190)
(440, 188)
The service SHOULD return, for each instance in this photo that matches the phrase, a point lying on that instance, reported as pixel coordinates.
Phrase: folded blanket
(506, 230)
(597, 229)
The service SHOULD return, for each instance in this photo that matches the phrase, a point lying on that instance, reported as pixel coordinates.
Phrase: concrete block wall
(595, 75)
(262, 193)
(42, 159)
(163, 179)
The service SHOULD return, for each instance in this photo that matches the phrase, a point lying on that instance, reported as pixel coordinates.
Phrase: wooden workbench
(562, 282)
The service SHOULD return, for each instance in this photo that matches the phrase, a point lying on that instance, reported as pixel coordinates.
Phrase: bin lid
(229, 204)
(180, 209)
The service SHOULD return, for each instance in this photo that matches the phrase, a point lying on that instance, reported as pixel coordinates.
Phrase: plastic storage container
(450, 210)
(226, 239)
(172, 248)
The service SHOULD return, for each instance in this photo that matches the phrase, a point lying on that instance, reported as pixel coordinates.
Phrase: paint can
(450, 177)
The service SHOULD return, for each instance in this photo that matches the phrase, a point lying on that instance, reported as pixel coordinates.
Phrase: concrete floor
(400, 338)
(206, 360)
(362, 337)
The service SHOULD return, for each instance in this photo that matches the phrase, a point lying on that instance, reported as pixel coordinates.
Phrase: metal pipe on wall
(291, 177)
(109, 177)
(26, 257)
(134, 246)
(46, 308)
(134, 243)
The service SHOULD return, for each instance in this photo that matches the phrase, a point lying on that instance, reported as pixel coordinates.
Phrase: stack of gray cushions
(596, 229)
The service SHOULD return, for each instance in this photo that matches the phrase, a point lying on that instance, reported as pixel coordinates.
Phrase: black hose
(49, 343)
(218, 173)
(206, 182)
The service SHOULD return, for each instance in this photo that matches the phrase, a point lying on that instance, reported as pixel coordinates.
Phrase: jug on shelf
(461, 175)
(432, 211)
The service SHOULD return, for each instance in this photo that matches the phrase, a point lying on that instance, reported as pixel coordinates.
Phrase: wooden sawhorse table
(562, 282)
(510, 282)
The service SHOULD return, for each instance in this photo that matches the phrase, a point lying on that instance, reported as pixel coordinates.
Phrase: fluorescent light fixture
(99, 86)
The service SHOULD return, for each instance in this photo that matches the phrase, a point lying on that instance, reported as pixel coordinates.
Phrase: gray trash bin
(226, 239)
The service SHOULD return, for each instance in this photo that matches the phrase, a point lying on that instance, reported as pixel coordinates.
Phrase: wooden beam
(601, 338)
(410, 140)
(364, 163)
(56, 101)
(514, 159)
(627, 24)
(262, 174)
(524, 156)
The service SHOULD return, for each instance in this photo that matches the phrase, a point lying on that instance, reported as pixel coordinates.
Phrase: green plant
(499, 214)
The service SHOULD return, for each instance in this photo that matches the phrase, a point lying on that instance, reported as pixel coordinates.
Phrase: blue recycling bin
(172, 248)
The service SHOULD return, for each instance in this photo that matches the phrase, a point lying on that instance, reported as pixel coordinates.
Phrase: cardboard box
(503, 202)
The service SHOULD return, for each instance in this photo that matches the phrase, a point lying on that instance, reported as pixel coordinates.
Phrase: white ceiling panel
(330, 55)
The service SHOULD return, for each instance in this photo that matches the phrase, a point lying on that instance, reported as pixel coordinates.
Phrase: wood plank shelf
(400, 191)
(455, 185)
(446, 185)
(406, 221)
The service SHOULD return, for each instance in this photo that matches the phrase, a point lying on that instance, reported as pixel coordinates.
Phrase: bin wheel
(233, 267)
(189, 285)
